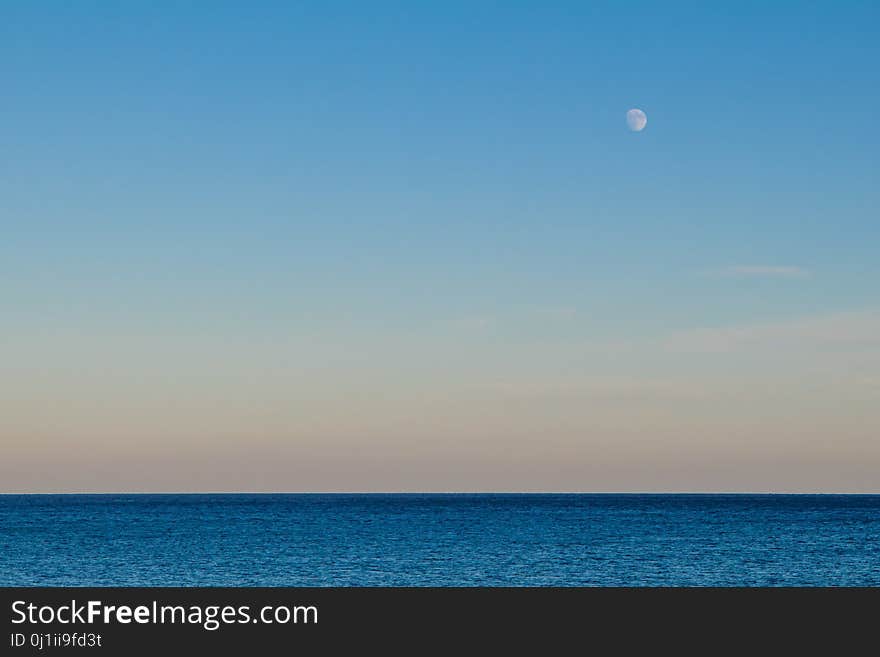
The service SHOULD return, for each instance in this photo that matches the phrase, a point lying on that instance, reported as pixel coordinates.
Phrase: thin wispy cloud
(764, 271)
(555, 312)
(597, 387)
(476, 323)
(847, 329)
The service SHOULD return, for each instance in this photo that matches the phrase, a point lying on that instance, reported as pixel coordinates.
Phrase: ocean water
(445, 540)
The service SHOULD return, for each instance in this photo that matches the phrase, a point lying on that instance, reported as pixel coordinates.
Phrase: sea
(439, 540)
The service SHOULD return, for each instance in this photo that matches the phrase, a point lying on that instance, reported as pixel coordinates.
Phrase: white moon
(636, 120)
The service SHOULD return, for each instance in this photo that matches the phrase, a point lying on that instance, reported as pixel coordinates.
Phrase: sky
(396, 246)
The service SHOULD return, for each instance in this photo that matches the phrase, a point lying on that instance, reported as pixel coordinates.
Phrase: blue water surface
(444, 540)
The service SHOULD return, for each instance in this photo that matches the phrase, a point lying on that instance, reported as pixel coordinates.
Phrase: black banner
(182, 621)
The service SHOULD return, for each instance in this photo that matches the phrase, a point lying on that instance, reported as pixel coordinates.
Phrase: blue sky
(450, 179)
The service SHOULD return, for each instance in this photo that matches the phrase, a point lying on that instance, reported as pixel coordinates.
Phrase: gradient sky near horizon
(340, 246)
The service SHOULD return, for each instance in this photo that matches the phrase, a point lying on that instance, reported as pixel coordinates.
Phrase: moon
(636, 120)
